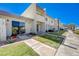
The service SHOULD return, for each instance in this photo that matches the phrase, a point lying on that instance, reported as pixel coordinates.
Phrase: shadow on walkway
(69, 46)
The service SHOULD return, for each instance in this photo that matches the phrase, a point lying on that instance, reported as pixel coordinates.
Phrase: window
(18, 27)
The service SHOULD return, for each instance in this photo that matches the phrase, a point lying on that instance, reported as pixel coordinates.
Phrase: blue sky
(66, 12)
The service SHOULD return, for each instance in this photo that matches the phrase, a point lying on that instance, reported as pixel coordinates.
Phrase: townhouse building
(33, 20)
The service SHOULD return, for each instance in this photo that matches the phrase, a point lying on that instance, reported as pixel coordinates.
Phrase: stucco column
(2, 29)
(43, 27)
(34, 27)
(9, 27)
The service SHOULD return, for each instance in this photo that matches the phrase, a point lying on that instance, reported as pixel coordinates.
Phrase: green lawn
(76, 31)
(50, 40)
(57, 33)
(18, 49)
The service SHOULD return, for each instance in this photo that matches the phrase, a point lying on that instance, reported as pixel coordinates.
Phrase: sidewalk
(70, 47)
(40, 48)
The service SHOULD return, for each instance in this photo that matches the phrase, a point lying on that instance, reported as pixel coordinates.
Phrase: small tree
(71, 26)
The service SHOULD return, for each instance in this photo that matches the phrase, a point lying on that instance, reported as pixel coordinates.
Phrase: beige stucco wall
(28, 26)
(2, 29)
(50, 23)
(30, 11)
(9, 24)
(6, 26)
(40, 18)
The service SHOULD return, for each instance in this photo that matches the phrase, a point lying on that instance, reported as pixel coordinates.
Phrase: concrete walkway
(70, 46)
(40, 48)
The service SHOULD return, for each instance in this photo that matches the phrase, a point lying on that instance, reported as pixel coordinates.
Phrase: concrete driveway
(70, 46)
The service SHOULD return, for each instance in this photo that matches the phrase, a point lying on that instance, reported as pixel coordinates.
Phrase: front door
(37, 28)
